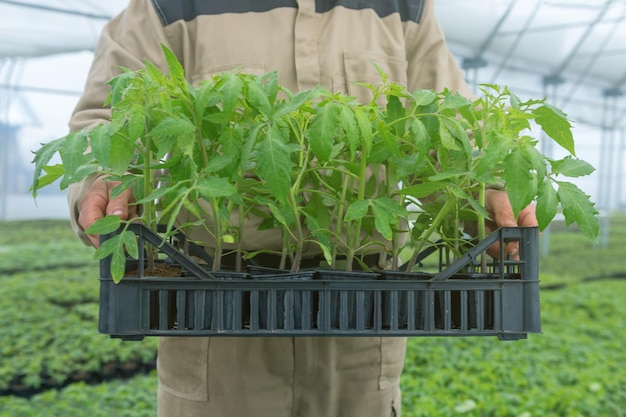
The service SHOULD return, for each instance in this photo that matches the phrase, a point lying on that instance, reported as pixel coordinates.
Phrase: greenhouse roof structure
(572, 52)
(578, 41)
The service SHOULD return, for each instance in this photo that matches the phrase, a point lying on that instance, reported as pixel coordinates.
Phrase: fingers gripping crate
(463, 299)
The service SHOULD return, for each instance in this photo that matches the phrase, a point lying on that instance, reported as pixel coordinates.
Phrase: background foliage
(48, 300)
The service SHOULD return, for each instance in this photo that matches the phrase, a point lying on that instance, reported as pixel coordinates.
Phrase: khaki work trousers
(280, 376)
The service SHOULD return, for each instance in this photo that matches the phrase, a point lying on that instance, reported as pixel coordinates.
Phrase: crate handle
(169, 250)
(501, 234)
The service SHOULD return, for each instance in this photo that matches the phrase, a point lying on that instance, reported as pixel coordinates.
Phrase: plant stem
(481, 226)
(443, 212)
(217, 256)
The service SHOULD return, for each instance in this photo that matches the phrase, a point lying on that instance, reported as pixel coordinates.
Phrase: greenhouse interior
(572, 53)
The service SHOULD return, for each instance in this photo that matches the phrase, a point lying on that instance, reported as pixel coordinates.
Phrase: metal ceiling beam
(57, 10)
(589, 29)
(517, 40)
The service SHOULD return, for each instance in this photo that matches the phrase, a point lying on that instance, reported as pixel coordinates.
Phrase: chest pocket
(361, 68)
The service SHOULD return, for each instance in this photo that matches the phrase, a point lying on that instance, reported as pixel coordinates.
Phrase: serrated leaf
(257, 98)
(282, 216)
(447, 139)
(296, 101)
(118, 265)
(121, 154)
(177, 73)
(213, 187)
(577, 207)
(73, 155)
(53, 173)
(323, 130)
(231, 92)
(101, 145)
(105, 225)
(274, 164)
(172, 128)
(387, 212)
(555, 124)
(454, 101)
(42, 158)
(160, 192)
(519, 181)
(424, 97)
(498, 146)
(365, 129)
(547, 204)
(423, 190)
(349, 124)
(571, 167)
(129, 241)
(357, 210)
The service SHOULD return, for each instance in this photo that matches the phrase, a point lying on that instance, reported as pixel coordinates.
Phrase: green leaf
(296, 101)
(387, 212)
(177, 73)
(231, 92)
(447, 139)
(424, 97)
(323, 130)
(365, 128)
(105, 225)
(172, 128)
(357, 210)
(423, 190)
(395, 111)
(73, 155)
(349, 124)
(454, 101)
(108, 247)
(555, 124)
(53, 173)
(578, 208)
(547, 203)
(274, 164)
(281, 214)
(571, 167)
(173, 133)
(519, 181)
(42, 158)
(118, 264)
(129, 240)
(100, 142)
(213, 187)
(257, 98)
(489, 161)
(121, 154)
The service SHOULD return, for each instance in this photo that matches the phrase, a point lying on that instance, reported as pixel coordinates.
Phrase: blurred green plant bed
(575, 368)
(40, 244)
(135, 398)
(49, 319)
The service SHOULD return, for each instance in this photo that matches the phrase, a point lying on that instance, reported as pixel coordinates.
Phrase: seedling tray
(462, 299)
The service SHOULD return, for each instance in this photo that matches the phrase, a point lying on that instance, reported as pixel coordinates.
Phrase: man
(332, 43)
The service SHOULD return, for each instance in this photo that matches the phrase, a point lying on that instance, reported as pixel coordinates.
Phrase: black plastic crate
(463, 299)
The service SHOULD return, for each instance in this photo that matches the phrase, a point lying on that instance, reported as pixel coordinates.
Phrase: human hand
(96, 204)
(499, 207)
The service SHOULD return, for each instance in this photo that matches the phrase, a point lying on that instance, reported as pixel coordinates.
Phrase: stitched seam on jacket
(159, 12)
(409, 10)
(174, 10)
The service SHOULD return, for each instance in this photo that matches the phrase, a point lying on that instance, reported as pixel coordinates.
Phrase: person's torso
(332, 43)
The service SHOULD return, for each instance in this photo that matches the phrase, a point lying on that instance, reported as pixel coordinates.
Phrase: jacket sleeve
(128, 40)
(431, 65)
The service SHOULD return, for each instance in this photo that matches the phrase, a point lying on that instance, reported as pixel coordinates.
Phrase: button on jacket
(332, 43)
